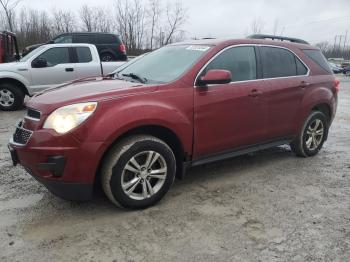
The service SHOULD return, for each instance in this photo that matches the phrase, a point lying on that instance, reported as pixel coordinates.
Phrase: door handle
(69, 69)
(304, 84)
(255, 93)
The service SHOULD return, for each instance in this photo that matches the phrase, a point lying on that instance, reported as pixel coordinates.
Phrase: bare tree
(153, 13)
(130, 23)
(63, 21)
(176, 17)
(87, 17)
(257, 26)
(9, 7)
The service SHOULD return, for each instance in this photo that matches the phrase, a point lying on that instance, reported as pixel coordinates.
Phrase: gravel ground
(267, 206)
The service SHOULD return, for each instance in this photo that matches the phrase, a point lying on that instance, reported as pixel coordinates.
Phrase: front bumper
(63, 164)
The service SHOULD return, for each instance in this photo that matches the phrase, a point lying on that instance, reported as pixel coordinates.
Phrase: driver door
(59, 68)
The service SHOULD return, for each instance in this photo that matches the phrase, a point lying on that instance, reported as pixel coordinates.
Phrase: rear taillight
(122, 48)
(336, 85)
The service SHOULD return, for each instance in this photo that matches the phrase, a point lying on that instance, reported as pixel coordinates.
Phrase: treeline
(334, 51)
(141, 25)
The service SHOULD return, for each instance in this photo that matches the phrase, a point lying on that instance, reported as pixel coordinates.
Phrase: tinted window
(84, 39)
(240, 61)
(278, 62)
(301, 68)
(84, 54)
(318, 58)
(55, 56)
(106, 39)
(63, 39)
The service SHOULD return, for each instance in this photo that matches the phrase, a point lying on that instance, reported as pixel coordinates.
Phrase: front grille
(33, 114)
(21, 135)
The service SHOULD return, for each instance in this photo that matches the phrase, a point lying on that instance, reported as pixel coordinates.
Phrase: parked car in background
(49, 66)
(346, 70)
(109, 46)
(8, 47)
(336, 69)
(180, 106)
(344, 64)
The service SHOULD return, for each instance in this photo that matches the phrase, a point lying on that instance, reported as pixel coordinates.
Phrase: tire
(107, 57)
(11, 97)
(312, 135)
(119, 174)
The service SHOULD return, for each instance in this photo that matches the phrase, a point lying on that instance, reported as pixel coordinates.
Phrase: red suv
(182, 105)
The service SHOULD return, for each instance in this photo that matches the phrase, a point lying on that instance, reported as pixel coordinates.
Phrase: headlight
(64, 119)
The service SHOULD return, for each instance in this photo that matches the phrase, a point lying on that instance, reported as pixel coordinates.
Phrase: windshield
(31, 54)
(165, 64)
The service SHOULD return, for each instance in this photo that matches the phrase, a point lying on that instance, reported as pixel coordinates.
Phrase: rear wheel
(312, 136)
(107, 57)
(138, 172)
(11, 97)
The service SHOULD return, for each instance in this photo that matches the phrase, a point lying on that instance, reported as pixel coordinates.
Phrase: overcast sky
(312, 20)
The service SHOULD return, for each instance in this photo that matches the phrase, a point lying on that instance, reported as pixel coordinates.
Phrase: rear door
(85, 65)
(232, 115)
(60, 68)
(286, 79)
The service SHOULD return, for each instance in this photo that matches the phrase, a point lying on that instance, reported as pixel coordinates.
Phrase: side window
(56, 55)
(84, 39)
(84, 54)
(240, 61)
(106, 39)
(301, 69)
(64, 39)
(278, 62)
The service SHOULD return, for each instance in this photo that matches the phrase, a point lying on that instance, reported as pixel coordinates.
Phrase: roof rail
(277, 37)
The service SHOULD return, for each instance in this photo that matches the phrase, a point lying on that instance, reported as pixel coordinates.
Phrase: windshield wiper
(141, 79)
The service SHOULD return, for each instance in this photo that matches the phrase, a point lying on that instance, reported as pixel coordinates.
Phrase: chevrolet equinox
(183, 105)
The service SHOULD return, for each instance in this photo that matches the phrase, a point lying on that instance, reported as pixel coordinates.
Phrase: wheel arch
(15, 82)
(159, 131)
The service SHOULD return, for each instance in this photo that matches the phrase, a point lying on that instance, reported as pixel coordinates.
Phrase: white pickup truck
(49, 66)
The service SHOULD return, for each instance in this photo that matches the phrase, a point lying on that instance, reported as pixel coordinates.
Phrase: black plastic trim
(240, 151)
(54, 164)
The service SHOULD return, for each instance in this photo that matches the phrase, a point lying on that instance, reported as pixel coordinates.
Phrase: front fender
(118, 116)
(16, 77)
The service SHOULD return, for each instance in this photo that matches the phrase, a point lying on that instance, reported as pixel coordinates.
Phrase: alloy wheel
(7, 98)
(314, 134)
(144, 175)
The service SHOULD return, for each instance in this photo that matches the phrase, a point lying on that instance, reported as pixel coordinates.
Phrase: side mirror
(215, 77)
(39, 63)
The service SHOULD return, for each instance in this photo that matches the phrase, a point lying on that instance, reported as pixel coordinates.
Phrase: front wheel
(138, 172)
(312, 136)
(11, 97)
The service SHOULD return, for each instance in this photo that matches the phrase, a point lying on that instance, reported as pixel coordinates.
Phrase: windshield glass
(165, 64)
(31, 54)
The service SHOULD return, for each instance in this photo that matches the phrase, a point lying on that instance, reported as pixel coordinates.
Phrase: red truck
(8, 47)
(182, 105)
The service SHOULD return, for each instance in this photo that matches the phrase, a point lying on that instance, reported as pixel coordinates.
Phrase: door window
(56, 55)
(83, 55)
(84, 39)
(279, 62)
(240, 61)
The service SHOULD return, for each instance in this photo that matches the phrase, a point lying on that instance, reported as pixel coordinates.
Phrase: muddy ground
(268, 206)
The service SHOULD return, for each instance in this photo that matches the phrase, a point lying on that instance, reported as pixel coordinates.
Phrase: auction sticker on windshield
(198, 48)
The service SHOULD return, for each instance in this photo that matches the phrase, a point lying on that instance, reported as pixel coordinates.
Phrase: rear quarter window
(84, 54)
(318, 58)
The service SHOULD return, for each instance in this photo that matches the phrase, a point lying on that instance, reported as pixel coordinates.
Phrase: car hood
(12, 67)
(86, 90)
